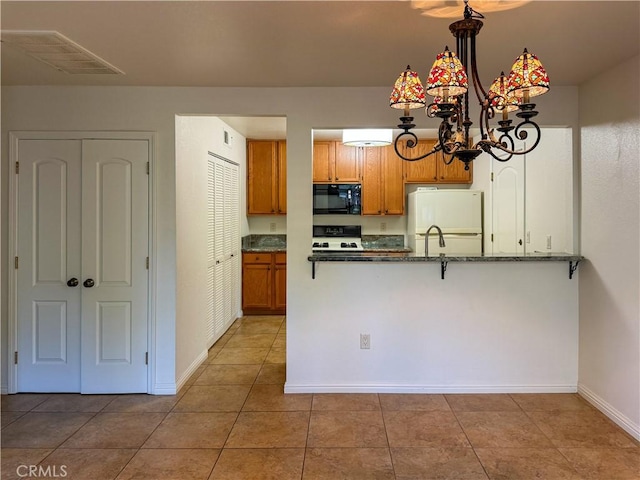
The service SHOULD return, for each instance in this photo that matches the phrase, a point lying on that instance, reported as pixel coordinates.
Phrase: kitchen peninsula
(406, 257)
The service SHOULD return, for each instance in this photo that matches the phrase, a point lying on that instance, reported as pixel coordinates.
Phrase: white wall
(195, 137)
(154, 109)
(610, 279)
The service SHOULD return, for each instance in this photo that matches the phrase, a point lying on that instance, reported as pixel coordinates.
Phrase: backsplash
(382, 241)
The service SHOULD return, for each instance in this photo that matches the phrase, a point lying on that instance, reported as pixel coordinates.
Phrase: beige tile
(240, 356)
(273, 373)
(213, 353)
(192, 430)
(609, 463)
(72, 402)
(139, 403)
(170, 464)
(115, 430)
(348, 463)
(195, 375)
(470, 402)
(346, 401)
(14, 459)
(437, 464)
(42, 430)
(228, 375)
(535, 402)
(526, 464)
(261, 321)
(276, 355)
(255, 340)
(266, 398)
(224, 339)
(90, 464)
(259, 464)
(346, 429)
(501, 429)
(22, 402)
(392, 401)
(280, 341)
(222, 398)
(581, 428)
(269, 430)
(423, 429)
(8, 417)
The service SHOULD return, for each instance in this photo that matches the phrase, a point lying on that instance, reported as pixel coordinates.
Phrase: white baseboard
(301, 388)
(190, 371)
(4, 389)
(614, 414)
(164, 389)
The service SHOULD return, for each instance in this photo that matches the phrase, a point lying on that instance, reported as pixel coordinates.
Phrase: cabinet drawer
(256, 258)
(281, 258)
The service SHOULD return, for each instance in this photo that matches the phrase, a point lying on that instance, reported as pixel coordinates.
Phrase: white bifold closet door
(223, 246)
(82, 278)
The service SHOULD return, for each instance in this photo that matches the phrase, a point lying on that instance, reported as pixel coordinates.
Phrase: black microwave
(337, 199)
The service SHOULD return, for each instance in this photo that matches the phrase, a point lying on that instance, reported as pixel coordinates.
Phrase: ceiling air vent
(58, 51)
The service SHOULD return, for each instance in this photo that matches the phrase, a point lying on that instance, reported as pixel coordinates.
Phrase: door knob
(520, 242)
(88, 283)
(72, 282)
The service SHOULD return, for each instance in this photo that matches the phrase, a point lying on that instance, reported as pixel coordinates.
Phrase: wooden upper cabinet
(454, 172)
(266, 177)
(324, 158)
(282, 176)
(432, 169)
(421, 171)
(347, 165)
(372, 196)
(382, 182)
(334, 162)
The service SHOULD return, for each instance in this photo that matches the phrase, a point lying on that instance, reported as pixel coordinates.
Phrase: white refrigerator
(458, 213)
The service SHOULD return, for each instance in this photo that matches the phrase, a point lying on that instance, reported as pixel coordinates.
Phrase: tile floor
(232, 421)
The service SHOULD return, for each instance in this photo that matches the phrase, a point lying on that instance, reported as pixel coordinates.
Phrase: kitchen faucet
(426, 239)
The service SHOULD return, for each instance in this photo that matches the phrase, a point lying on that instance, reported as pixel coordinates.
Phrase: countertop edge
(410, 257)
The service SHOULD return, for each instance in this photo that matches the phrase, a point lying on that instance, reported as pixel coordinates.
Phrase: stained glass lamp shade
(408, 92)
(528, 78)
(504, 100)
(447, 77)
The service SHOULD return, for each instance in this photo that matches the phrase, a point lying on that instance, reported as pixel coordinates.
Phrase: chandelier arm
(412, 142)
(481, 94)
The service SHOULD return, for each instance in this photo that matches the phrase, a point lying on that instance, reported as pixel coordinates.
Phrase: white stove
(335, 238)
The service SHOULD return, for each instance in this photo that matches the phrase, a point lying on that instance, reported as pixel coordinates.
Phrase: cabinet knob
(337, 179)
(72, 282)
(379, 211)
(88, 283)
(386, 212)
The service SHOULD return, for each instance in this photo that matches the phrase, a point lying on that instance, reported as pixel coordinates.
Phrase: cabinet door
(282, 176)
(421, 171)
(256, 281)
(324, 155)
(261, 177)
(280, 283)
(372, 197)
(347, 166)
(392, 182)
(454, 172)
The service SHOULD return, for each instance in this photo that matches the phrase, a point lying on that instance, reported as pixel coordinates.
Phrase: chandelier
(448, 83)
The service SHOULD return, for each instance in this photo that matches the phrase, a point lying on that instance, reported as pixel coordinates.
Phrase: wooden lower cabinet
(264, 283)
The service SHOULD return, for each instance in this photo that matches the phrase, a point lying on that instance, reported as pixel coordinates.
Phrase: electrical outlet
(272, 227)
(383, 226)
(548, 242)
(365, 341)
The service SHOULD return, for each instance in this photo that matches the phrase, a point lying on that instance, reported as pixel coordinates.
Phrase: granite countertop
(264, 243)
(370, 256)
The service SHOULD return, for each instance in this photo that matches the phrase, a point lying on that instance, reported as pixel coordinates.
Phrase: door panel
(114, 252)
(508, 208)
(48, 311)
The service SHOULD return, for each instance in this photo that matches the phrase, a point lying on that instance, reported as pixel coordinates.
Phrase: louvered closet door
(223, 246)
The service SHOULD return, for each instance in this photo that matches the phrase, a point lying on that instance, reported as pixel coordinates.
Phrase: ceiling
(310, 43)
